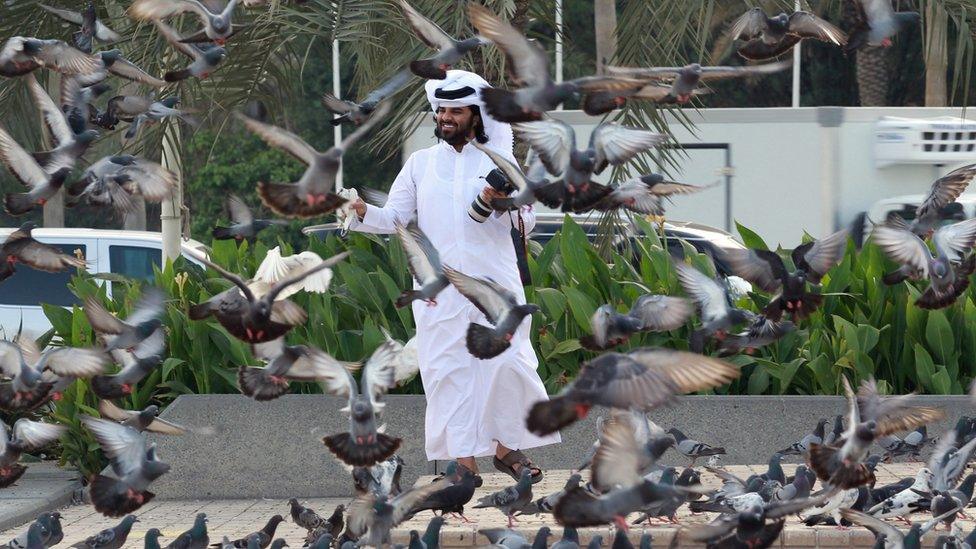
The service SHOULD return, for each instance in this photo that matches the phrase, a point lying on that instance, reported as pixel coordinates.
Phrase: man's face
(455, 124)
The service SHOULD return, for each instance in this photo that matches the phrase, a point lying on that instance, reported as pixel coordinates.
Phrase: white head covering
(462, 89)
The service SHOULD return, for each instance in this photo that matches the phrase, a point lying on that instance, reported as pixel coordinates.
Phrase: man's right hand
(360, 208)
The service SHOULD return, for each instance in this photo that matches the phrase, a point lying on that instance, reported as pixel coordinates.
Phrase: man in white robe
(474, 407)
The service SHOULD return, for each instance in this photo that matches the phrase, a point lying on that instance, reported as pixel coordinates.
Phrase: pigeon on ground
(650, 313)
(51, 532)
(322, 541)
(569, 540)
(944, 191)
(512, 499)
(91, 26)
(501, 308)
(831, 508)
(749, 528)
(431, 537)
(35, 537)
(313, 195)
(263, 536)
(835, 434)
(801, 446)
(203, 59)
(304, 516)
(22, 54)
(528, 62)
(134, 463)
(554, 142)
(717, 314)
(797, 489)
(41, 184)
(642, 379)
(887, 535)
(358, 113)
(110, 538)
(20, 247)
(217, 27)
(767, 270)
(692, 448)
(454, 497)
(26, 436)
(243, 225)
(767, 37)
(256, 318)
(685, 80)
(911, 445)
(774, 470)
(142, 421)
(876, 23)
(371, 518)
(363, 445)
(286, 363)
(136, 365)
(331, 527)
(510, 539)
(869, 416)
(947, 465)
(546, 503)
(449, 50)
(142, 323)
(194, 538)
(424, 263)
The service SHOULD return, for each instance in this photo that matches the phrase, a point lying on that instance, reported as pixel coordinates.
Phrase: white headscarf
(452, 91)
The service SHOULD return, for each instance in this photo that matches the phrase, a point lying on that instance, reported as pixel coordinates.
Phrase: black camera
(478, 210)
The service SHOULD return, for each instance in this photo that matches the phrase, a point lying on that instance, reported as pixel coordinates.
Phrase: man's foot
(512, 464)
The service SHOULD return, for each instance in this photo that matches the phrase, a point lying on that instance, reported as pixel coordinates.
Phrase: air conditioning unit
(942, 140)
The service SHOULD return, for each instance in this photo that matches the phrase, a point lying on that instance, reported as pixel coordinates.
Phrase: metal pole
(171, 214)
(559, 43)
(337, 130)
(796, 68)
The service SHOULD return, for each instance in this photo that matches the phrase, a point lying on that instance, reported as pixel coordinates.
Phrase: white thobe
(472, 404)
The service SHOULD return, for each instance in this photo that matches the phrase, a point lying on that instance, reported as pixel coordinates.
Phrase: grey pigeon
(645, 541)
(243, 225)
(596, 542)
(285, 363)
(835, 434)
(111, 62)
(363, 445)
(685, 80)
(41, 184)
(944, 191)
(372, 518)
(141, 323)
(643, 194)
(331, 527)
(763, 331)
(692, 448)
(114, 180)
(798, 489)
(23, 54)
(501, 308)
(554, 142)
(876, 23)
(133, 461)
(50, 529)
(323, 541)
(110, 538)
(570, 539)
(869, 416)
(526, 184)
(530, 67)
(889, 536)
(154, 113)
(947, 271)
(383, 479)
(801, 446)
(768, 37)
(203, 60)
(717, 314)
(424, 263)
(431, 537)
(546, 503)
(649, 313)
(144, 420)
(358, 113)
(21, 247)
(512, 499)
(26, 436)
(91, 26)
(35, 539)
(642, 379)
(69, 131)
(262, 537)
(749, 528)
(136, 365)
(313, 195)
(449, 50)
(27, 366)
(194, 538)
(217, 27)
(303, 516)
(510, 539)
(602, 102)
(151, 539)
(620, 540)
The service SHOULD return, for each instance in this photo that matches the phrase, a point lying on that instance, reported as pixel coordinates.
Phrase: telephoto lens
(479, 210)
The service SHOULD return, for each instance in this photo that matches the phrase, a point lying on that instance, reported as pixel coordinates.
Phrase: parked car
(129, 253)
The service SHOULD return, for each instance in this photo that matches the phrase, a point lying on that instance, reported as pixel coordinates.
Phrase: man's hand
(490, 192)
(359, 207)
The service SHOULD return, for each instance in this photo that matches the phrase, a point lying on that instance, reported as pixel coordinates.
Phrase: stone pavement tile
(799, 537)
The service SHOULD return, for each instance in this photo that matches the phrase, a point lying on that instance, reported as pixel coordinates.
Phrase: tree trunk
(872, 76)
(936, 55)
(605, 28)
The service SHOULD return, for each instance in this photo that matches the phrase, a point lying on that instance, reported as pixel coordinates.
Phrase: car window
(134, 261)
(30, 287)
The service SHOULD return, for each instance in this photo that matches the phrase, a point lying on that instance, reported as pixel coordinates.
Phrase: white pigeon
(345, 213)
(276, 267)
(904, 502)
(843, 499)
(406, 364)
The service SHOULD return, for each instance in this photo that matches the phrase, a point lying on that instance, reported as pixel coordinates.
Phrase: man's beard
(459, 137)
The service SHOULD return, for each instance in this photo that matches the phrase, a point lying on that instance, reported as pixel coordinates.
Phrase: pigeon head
(221, 24)
(110, 56)
(29, 226)
(35, 536)
(872, 461)
(865, 431)
(781, 21)
(753, 516)
(565, 91)
(651, 179)
(694, 69)
(32, 46)
(150, 411)
(940, 268)
(153, 534)
(215, 56)
(87, 137)
(155, 469)
(170, 102)
(688, 477)
(129, 520)
(529, 308)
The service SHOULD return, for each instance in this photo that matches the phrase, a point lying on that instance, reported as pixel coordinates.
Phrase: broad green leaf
(750, 238)
(938, 335)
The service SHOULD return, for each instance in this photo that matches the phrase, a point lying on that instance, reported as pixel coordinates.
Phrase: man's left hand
(490, 192)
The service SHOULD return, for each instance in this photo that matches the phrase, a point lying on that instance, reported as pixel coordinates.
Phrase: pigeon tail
(106, 389)
(363, 455)
(259, 385)
(282, 198)
(483, 343)
(408, 297)
(551, 195)
(930, 299)
(548, 416)
(589, 343)
(10, 474)
(18, 203)
(222, 233)
(426, 68)
(200, 311)
(799, 309)
(600, 103)
(894, 277)
(503, 204)
(840, 474)
(176, 76)
(502, 106)
(83, 41)
(113, 498)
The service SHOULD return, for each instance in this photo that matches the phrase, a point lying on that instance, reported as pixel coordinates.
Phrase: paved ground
(236, 518)
(43, 486)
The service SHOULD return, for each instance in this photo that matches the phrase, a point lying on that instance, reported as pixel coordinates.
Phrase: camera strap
(521, 250)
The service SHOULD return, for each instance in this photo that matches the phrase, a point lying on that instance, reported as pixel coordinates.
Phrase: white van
(129, 253)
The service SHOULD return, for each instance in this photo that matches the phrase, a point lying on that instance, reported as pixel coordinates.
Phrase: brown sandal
(507, 465)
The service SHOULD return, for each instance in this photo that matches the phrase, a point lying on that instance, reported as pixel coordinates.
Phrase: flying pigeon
(136, 365)
(424, 263)
(114, 180)
(501, 308)
(650, 313)
(256, 318)
(643, 194)
(642, 379)
(749, 528)
(887, 535)
(274, 268)
(26, 365)
(217, 27)
(20, 247)
(26, 436)
(203, 59)
(603, 102)
(944, 191)
(760, 333)
(717, 315)
(69, 131)
(21, 164)
(313, 194)
(109, 538)
(371, 518)
(876, 23)
(449, 50)
(685, 80)
(243, 225)
(142, 421)
(525, 183)
(358, 113)
(133, 461)
(21, 55)
(144, 320)
(91, 26)
(767, 37)
(286, 363)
